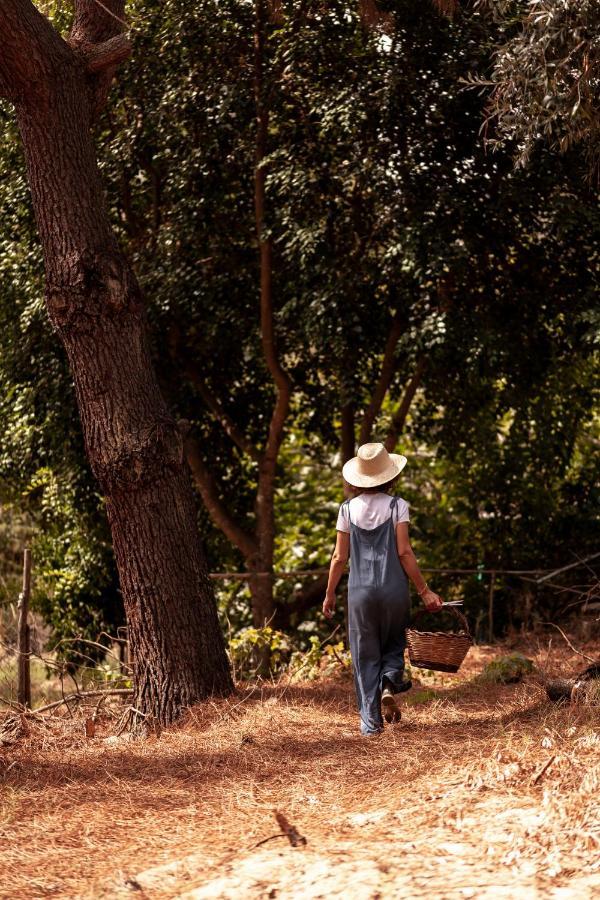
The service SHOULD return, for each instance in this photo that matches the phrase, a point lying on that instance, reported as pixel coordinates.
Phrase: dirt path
(445, 805)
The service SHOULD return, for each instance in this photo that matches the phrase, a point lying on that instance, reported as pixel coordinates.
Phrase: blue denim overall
(378, 614)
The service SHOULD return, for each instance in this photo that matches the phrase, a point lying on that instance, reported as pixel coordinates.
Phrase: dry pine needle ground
(480, 792)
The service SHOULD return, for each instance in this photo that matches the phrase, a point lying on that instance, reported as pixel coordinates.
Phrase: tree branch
(97, 37)
(95, 23)
(108, 54)
(388, 366)
(224, 419)
(401, 412)
(206, 484)
(303, 600)
(31, 46)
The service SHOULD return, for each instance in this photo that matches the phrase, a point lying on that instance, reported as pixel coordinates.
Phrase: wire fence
(541, 575)
(23, 651)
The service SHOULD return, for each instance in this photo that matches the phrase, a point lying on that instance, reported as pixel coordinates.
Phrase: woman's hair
(379, 489)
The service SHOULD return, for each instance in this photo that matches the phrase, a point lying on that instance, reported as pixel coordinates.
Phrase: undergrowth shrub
(419, 697)
(248, 649)
(507, 669)
(319, 661)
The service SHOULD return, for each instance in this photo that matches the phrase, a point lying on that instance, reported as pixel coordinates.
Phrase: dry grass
(443, 805)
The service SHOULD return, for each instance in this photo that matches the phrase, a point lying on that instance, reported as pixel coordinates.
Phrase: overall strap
(394, 508)
(346, 504)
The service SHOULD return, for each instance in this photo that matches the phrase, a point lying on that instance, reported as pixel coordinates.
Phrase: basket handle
(449, 609)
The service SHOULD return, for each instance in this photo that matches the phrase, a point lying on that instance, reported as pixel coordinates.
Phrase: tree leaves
(545, 76)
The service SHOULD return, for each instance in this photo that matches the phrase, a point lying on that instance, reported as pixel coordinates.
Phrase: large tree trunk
(132, 442)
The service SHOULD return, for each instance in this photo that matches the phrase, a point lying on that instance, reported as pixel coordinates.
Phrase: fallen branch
(287, 830)
(80, 696)
(129, 719)
(568, 642)
(11, 704)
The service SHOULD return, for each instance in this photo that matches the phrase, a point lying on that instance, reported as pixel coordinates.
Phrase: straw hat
(373, 465)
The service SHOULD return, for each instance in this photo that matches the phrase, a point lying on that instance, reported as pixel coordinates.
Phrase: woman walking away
(372, 529)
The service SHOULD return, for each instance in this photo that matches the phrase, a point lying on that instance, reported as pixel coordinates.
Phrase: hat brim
(353, 476)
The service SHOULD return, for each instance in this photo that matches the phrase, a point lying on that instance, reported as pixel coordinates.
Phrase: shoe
(396, 688)
(372, 734)
(389, 707)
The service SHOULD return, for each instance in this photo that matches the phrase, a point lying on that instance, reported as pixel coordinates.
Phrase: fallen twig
(12, 704)
(80, 696)
(293, 835)
(265, 840)
(287, 830)
(544, 769)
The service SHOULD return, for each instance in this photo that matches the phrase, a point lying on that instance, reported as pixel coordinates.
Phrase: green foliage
(546, 74)
(248, 649)
(75, 585)
(320, 660)
(382, 203)
(416, 698)
(507, 669)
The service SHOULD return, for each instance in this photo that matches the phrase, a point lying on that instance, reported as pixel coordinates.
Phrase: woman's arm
(410, 565)
(336, 569)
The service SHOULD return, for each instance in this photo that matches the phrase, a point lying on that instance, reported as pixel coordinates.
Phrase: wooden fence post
(23, 635)
(491, 608)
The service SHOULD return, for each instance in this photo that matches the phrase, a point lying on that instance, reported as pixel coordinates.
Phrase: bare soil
(481, 791)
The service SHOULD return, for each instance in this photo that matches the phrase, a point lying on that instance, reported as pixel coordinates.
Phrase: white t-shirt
(370, 510)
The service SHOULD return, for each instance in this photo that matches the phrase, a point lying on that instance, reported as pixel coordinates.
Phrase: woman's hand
(432, 601)
(329, 606)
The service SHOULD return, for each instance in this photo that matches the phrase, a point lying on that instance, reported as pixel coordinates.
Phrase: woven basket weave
(439, 650)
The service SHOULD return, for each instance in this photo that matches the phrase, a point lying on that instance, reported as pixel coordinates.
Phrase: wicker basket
(438, 650)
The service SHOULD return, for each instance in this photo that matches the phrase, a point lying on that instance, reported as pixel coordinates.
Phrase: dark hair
(378, 489)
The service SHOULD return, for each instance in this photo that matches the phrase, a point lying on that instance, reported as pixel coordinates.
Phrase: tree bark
(388, 366)
(133, 444)
(402, 410)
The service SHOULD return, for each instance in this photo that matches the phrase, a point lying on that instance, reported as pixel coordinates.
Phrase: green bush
(253, 649)
(319, 661)
(507, 669)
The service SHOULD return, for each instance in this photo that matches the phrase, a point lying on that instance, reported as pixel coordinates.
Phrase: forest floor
(482, 791)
